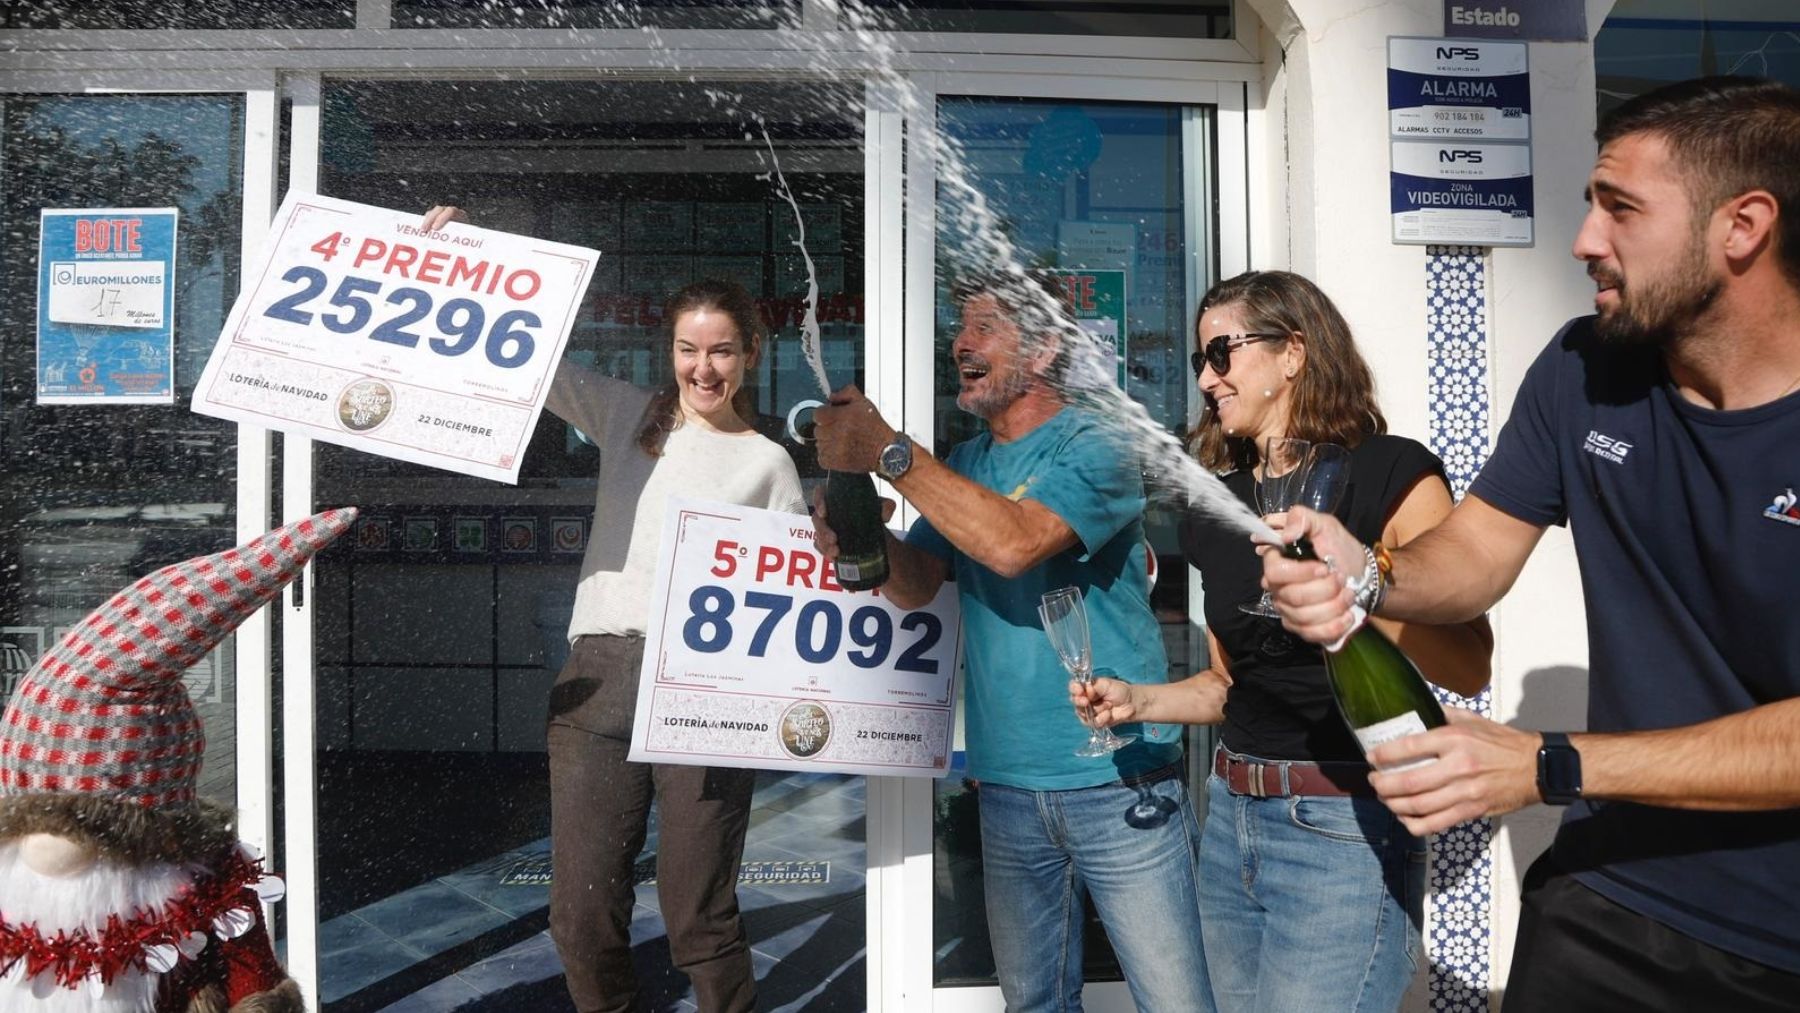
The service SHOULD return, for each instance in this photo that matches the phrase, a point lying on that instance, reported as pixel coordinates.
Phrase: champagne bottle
(853, 510)
(1378, 689)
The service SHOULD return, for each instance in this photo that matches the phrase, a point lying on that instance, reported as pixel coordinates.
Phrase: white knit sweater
(747, 469)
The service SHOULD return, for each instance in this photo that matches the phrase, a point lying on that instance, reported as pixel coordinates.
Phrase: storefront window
(1645, 44)
(1177, 19)
(95, 494)
(441, 625)
(1099, 191)
(183, 14)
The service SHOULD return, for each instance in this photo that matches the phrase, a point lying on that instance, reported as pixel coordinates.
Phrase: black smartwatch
(1559, 769)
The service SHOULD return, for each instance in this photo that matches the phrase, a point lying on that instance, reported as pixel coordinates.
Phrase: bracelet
(1384, 560)
(1384, 567)
(1370, 589)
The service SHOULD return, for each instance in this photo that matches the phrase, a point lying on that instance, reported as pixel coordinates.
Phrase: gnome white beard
(82, 900)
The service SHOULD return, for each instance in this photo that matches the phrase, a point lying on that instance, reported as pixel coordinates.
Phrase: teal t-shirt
(1019, 727)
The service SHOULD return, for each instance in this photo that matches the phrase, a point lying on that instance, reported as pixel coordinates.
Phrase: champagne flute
(1326, 476)
(1065, 623)
(1283, 465)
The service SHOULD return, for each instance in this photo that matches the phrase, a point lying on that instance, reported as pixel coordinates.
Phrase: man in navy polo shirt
(1665, 430)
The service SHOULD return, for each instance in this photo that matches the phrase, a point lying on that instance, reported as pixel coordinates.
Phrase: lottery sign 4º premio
(357, 327)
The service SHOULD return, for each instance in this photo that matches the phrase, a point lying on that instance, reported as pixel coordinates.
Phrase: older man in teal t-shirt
(1049, 497)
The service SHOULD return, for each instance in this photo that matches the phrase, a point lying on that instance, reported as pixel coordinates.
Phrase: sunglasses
(1217, 352)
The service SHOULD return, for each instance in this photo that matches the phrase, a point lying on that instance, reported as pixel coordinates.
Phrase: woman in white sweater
(692, 437)
(689, 438)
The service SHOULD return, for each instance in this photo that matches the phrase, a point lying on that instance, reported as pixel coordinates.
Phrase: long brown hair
(663, 416)
(1334, 392)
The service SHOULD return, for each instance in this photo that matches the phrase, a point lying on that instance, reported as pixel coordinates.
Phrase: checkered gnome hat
(104, 716)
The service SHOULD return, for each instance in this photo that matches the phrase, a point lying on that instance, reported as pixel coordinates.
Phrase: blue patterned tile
(1458, 923)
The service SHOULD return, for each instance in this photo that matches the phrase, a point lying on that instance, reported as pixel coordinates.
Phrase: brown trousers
(599, 813)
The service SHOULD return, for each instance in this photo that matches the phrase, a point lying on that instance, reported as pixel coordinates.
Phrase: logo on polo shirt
(1609, 447)
(1785, 509)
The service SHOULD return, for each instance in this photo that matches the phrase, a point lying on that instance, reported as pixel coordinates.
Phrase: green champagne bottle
(853, 509)
(1378, 689)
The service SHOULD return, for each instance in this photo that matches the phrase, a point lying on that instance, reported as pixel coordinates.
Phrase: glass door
(1122, 194)
(439, 627)
(105, 475)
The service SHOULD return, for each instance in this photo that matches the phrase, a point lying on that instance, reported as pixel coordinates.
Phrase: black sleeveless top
(1279, 706)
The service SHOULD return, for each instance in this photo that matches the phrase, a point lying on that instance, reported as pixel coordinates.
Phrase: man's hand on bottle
(1482, 768)
(849, 432)
(1313, 596)
(825, 539)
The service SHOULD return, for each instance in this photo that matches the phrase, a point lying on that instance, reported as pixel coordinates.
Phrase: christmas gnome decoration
(121, 889)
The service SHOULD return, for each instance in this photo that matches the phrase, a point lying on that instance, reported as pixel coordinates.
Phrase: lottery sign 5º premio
(755, 656)
(357, 327)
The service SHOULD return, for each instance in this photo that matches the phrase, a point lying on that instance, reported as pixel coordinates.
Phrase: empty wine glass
(1326, 476)
(1065, 623)
(1283, 467)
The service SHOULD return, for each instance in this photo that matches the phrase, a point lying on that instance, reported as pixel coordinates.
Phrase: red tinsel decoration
(122, 944)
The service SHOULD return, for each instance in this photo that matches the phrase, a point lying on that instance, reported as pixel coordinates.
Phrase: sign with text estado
(756, 657)
(358, 328)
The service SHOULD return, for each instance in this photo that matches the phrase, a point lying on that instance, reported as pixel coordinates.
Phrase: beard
(995, 399)
(84, 900)
(1655, 311)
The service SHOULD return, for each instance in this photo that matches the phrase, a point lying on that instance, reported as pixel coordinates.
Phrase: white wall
(1326, 215)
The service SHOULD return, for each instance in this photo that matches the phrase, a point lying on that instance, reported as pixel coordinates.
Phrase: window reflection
(1095, 190)
(93, 496)
(183, 14)
(440, 625)
(751, 14)
(1642, 47)
(1177, 19)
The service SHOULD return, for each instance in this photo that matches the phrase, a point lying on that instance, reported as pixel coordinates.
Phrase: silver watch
(896, 458)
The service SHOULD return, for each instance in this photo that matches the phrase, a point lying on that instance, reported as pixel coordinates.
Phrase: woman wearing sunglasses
(1311, 890)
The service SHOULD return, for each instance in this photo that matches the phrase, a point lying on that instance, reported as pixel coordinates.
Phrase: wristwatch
(1558, 770)
(895, 459)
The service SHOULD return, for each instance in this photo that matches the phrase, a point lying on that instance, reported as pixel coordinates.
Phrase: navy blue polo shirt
(1687, 531)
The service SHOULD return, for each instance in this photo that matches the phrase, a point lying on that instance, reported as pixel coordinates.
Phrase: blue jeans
(1042, 851)
(1309, 903)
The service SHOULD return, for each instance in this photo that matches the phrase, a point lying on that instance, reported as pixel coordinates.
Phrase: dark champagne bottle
(1378, 689)
(853, 509)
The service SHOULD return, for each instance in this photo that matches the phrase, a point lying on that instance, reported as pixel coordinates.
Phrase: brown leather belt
(1283, 778)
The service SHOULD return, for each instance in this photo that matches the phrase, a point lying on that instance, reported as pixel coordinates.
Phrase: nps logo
(1609, 447)
(1785, 509)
